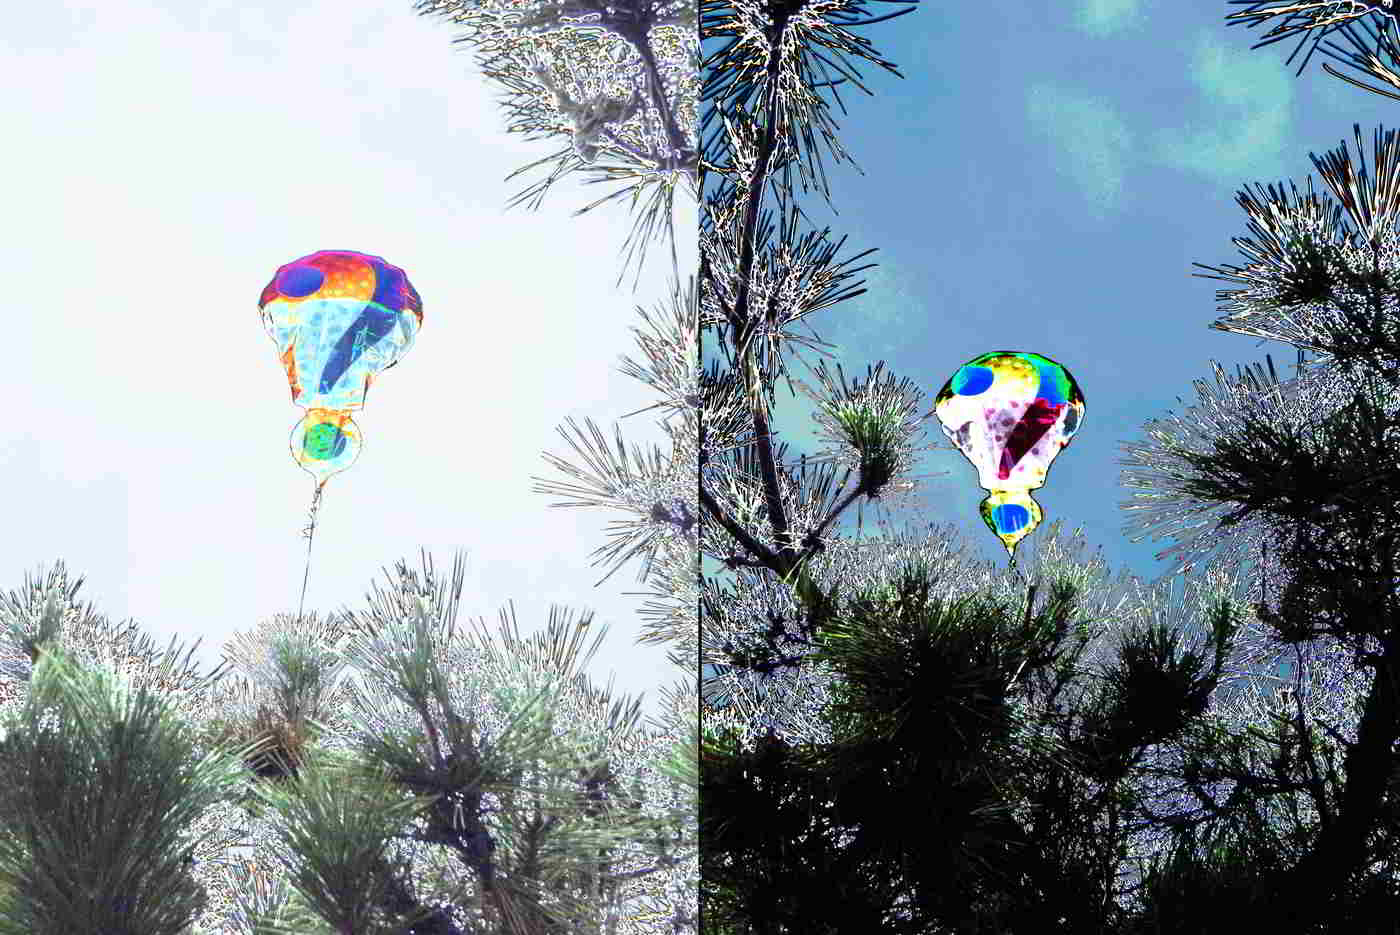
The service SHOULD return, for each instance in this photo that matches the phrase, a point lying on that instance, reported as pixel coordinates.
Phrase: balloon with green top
(1010, 413)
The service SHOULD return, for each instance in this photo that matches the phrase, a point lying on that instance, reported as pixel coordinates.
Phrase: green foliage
(97, 785)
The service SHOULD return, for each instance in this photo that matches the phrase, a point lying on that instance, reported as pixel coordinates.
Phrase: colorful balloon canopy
(1010, 413)
(338, 318)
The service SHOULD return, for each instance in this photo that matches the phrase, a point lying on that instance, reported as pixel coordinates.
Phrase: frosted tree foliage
(619, 80)
(418, 677)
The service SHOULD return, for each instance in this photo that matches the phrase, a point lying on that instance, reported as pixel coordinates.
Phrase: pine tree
(377, 770)
(619, 79)
(369, 799)
(970, 750)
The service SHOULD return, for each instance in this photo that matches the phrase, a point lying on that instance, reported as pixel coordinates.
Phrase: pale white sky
(163, 159)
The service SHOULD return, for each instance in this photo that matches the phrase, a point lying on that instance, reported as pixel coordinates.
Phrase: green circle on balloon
(324, 442)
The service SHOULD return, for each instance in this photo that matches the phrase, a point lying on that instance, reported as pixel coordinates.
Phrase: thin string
(1011, 566)
(309, 532)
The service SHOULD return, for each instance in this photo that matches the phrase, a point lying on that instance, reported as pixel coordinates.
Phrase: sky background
(164, 160)
(1044, 183)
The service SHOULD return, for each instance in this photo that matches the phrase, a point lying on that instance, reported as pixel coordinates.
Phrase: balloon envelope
(1010, 413)
(338, 317)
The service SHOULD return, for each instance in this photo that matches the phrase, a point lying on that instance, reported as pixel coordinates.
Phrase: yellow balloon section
(338, 317)
(1010, 413)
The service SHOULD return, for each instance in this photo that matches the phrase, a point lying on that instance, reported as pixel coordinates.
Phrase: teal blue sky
(1043, 181)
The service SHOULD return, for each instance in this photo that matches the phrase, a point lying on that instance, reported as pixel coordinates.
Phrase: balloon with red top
(338, 318)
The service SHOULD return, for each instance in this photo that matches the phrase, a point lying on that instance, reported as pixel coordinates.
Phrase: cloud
(883, 324)
(1102, 18)
(1246, 102)
(1091, 141)
(1248, 99)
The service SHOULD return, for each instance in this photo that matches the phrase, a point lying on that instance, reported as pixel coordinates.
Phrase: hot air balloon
(338, 318)
(1010, 413)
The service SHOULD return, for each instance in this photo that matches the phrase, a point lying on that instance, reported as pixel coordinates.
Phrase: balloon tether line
(309, 532)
